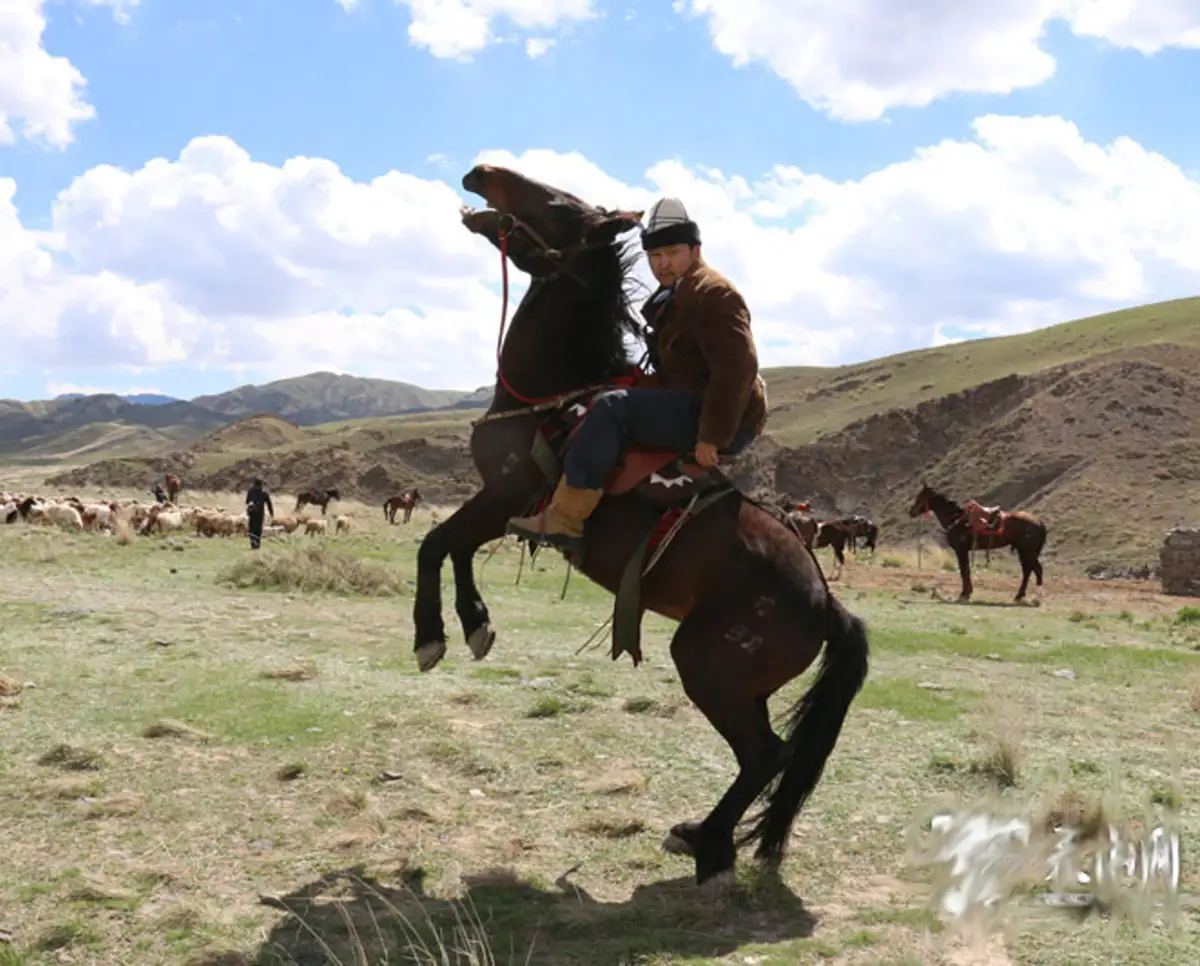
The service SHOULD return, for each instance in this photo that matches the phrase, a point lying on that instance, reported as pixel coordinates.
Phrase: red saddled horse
(406, 501)
(973, 529)
(753, 607)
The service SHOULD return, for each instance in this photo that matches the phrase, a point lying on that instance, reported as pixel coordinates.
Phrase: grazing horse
(985, 528)
(174, 484)
(752, 605)
(316, 497)
(406, 501)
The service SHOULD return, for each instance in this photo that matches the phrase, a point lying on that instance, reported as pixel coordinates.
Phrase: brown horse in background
(858, 528)
(752, 605)
(316, 497)
(835, 534)
(174, 484)
(976, 528)
(406, 501)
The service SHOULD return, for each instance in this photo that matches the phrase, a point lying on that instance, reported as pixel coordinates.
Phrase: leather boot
(560, 524)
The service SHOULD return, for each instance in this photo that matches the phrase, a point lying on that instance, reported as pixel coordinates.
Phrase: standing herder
(706, 394)
(257, 500)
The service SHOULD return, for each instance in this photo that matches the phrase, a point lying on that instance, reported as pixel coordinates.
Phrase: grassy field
(197, 733)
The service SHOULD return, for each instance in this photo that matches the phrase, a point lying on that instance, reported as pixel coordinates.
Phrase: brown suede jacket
(700, 342)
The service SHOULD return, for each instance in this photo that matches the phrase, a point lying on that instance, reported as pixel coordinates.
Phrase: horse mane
(607, 319)
(941, 497)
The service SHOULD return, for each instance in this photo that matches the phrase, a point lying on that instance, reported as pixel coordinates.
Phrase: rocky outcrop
(1180, 562)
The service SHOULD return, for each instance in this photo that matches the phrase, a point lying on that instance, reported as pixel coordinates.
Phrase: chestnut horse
(316, 497)
(406, 501)
(967, 531)
(752, 605)
(174, 485)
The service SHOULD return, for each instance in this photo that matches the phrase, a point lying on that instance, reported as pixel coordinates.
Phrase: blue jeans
(653, 418)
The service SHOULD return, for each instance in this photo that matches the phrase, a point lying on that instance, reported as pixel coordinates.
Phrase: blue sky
(640, 86)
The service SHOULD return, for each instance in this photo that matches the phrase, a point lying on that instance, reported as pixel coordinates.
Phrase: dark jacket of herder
(700, 342)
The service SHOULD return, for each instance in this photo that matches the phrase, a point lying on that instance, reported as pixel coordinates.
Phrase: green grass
(298, 741)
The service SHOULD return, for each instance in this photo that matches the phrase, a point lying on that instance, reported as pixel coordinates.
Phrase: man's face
(670, 263)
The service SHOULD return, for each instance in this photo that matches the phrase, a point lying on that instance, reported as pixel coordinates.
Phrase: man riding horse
(705, 394)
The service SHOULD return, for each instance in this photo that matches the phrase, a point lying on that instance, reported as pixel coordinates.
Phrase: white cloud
(535, 47)
(120, 8)
(1147, 27)
(217, 260)
(855, 59)
(43, 93)
(462, 28)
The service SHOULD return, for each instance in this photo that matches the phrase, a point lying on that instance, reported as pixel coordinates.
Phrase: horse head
(547, 228)
(922, 503)
(575, 321)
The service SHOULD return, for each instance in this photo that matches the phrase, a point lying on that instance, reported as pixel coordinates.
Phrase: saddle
(668, 480)
(984, 519)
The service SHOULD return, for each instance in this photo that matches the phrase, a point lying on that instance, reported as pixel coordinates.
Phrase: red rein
(529, 400)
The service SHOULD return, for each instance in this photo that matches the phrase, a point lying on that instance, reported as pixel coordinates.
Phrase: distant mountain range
(319, 397)
(139, 398)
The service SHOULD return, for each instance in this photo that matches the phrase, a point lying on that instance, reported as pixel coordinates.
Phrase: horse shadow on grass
(347, 917)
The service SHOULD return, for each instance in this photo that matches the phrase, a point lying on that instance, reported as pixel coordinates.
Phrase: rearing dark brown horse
(752, 605)
(1022, 531)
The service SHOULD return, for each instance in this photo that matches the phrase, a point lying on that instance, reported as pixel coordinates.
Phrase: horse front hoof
(480, 641)
(429, 654)
(681, 840)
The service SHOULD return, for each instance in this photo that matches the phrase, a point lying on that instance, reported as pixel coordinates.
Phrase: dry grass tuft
(123, 803)
(291, 672)
(1194, 693)
(313, 569)
(170, 728)
(96, 889)
(9, 687)
(613, 826)
(617, 781)
(1001, 760)
(347, 803)
(72, 758)
(289, 773)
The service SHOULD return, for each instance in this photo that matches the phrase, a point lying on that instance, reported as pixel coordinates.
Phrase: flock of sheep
(146, 518)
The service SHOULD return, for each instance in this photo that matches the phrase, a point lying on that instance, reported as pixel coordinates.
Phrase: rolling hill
(1093, 424)
(42, 430)
(326, 397)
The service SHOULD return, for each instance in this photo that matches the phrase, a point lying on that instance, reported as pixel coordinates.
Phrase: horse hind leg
(717, 675)
(730, 677)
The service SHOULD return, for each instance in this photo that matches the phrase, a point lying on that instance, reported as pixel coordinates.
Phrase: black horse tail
(813, 727)
(385, 506)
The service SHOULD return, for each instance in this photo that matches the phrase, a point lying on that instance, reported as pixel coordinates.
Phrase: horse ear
(614, 223)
